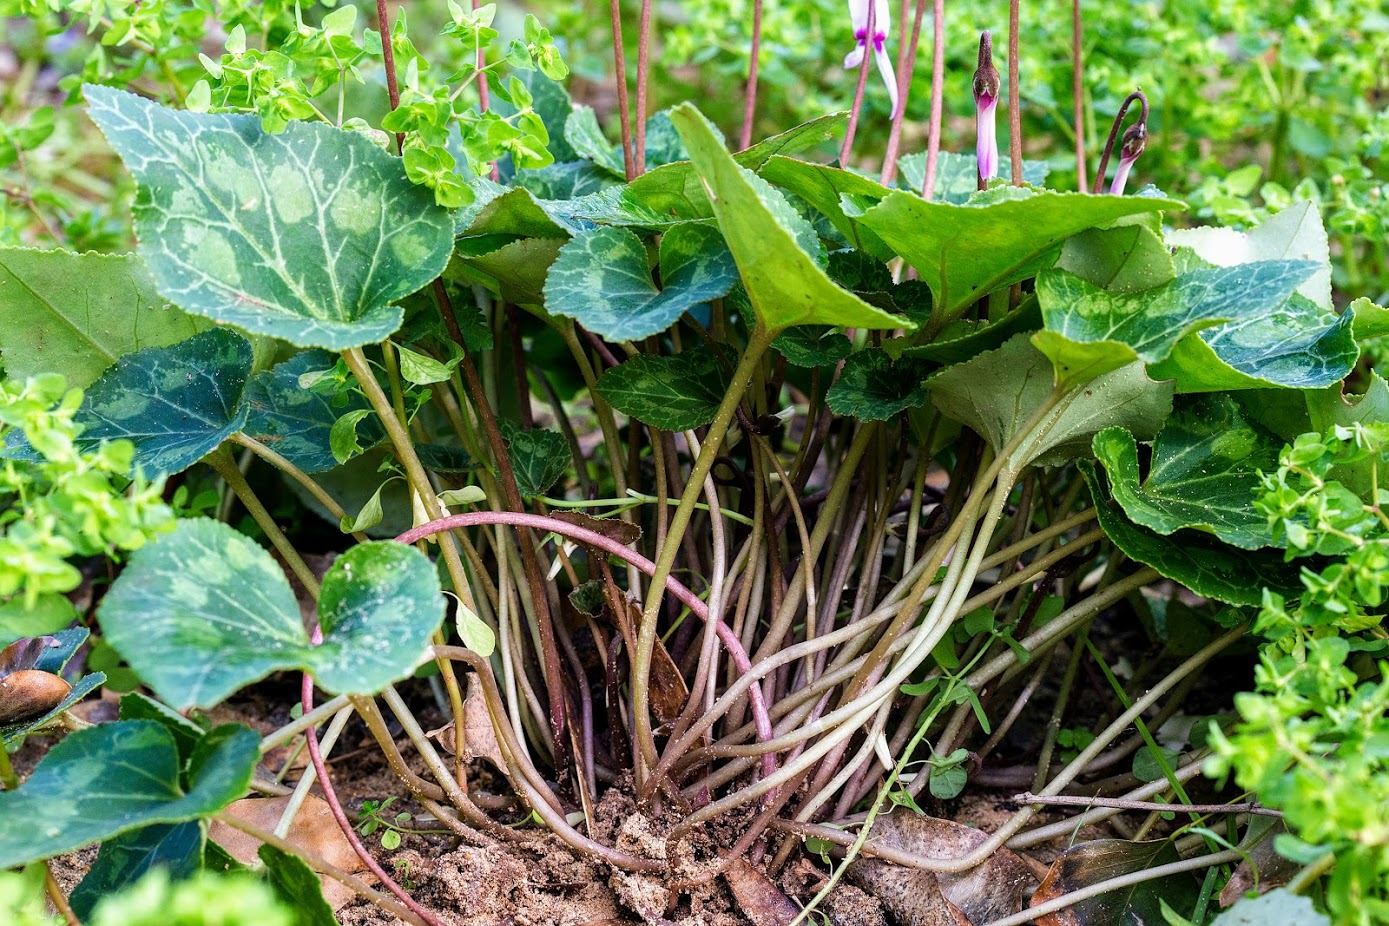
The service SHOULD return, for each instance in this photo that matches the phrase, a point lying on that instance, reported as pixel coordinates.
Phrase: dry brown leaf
(30, 693)
(668, 689)
(314, 829)
(1263, 868)
(1091, 863)
(758, 898)
(478, 735)
(612, 528)
(997, 888)
(24, 654)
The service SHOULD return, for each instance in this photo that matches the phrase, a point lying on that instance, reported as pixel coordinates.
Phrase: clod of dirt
(846, 905)
(313, 829)
(999, 887)
(758, 898)
(30, 693)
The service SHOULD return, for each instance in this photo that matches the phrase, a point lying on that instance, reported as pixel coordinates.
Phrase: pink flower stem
(1078, 93)
(750, 93)
(854, 111)
(905, 69)
(736, 652)
(643, 67)
(620, 78)
(928, 185)
(1014, 94)
(331, 796)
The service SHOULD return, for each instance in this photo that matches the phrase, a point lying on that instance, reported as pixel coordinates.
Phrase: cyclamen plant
(743, 487)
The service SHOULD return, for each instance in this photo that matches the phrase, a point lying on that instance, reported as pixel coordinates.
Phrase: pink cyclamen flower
(986, 90)
(1135, 139)
(882, 19)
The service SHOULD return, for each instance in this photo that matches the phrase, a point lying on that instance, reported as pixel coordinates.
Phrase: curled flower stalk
(873, 22)
(1134, 141)
(986, 91)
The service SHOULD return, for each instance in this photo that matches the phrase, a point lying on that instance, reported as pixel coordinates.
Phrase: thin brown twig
(750, 91)
(1078, 92)
(906, 68)
(1014, 94)
(1063, 800)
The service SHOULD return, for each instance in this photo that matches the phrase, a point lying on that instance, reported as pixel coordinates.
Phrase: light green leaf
(1204, 470)
(967, 251)
(586, 137)
(1195, 559)
(176, 404)
(1000, 391)
(827, 188)
(603, 281)
(136, 765)
(204, 611)
(473, 630)
(75, 314)
(672, 393)
(874, 387)
(957, 175)
(1128, 258)
(297, 422)
(1296, 233)
(1371, 320)
(342, 435)
(785, 283)
(538, 458)
(515, 269)
(1091, 331)
(422, 370)
(369, 516)
(308, 235)
(1280, 907)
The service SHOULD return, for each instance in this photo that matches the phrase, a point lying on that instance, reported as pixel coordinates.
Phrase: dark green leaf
(964, 338)
(564, 182)
(176, 404)
(585, 136)
(296, 422)
(298, 886)
(308, 235)
(785, 283)
(673, 393)
(60, 808)
(175, 847)
(136, 706)
(813, 345)
(75, 314)
(1128, 258)
(1200, 562)
(1296, 233)
(64, 644)
(603, 281)
(538, 458)
(967, 251)
(203, 611)
(1205, 468)
(1091, 863)
(513, 269)
(874, 387)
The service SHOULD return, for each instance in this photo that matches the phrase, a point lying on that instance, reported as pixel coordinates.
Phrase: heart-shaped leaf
(1294, 233)
(175, 403)
(75, 314)
(295, 421)
(308, 235)
(672, 393)
(967, 251)
(1195, 559)
(874, 387)
(177, 848)
(1204, 470)
(539, 457)
(1090, 331)
(138, 770)
(204, 610)
(602, 280)
(771, 243)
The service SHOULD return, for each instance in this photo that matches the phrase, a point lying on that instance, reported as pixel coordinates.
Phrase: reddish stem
(383, 24)
(592, 538)
(1014, 101)
(858, 91)
(643, 65)
(750, 93)
(928, 185)
(1077, 91)
(624, 114)
(331, 796)
(906, 68)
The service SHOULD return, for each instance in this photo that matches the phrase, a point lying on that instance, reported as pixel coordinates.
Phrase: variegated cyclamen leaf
(602, 280)
(175, 403)
(296, 422)
(204, 611)
(309, 235)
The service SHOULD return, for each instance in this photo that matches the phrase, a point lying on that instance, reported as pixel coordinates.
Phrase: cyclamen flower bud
(858, 13)
(1135, 140)
(986, 91)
